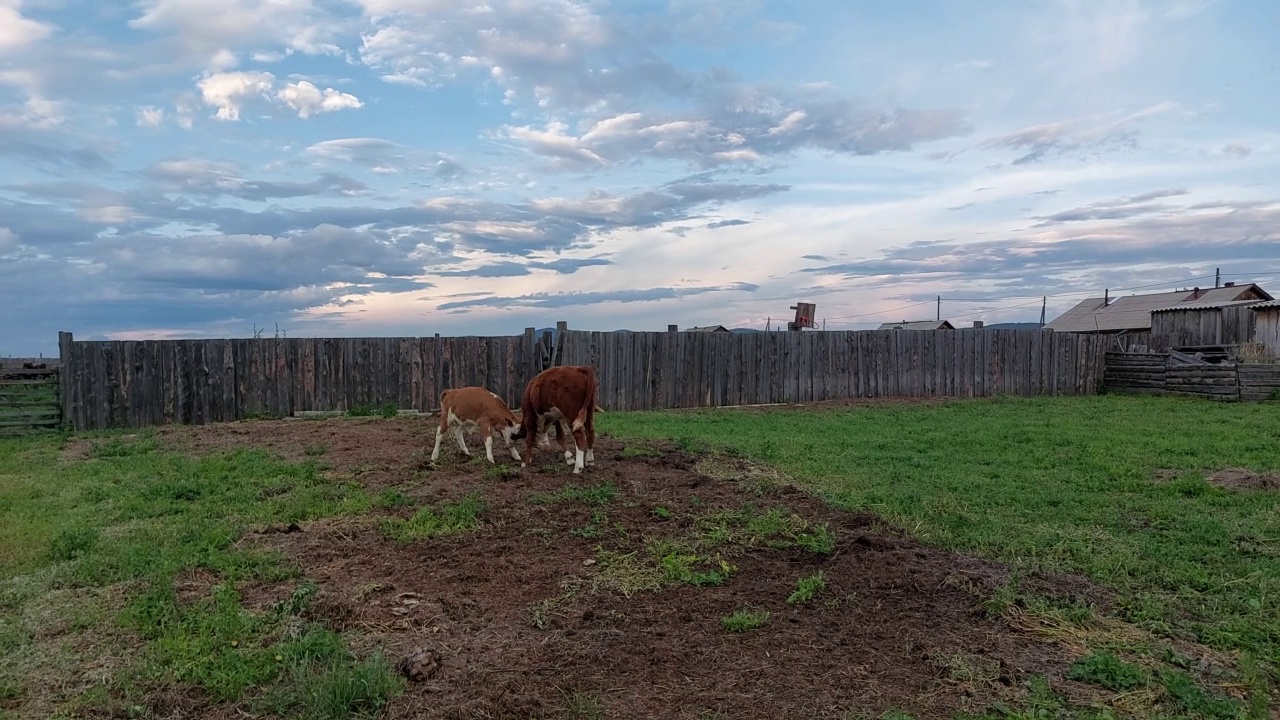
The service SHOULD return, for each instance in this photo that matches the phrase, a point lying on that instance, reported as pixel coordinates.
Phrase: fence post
(673, 328)
(531, 367)
(64, 378)
(557, 357)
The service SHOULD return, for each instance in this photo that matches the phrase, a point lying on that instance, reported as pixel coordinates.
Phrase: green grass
(744, 620)
(807, 587)
(1059, 484)
(94, 545)
(429, 522)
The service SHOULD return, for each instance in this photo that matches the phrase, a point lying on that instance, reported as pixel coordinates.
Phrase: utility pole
(1043, 302)
(1217, 277)
(939, 318)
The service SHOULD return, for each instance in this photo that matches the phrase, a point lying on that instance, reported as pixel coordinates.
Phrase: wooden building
(1133, 313)
(1211, 323)
(1266, 325)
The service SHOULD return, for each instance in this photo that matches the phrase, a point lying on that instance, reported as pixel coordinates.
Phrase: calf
(564, 395)
(473, 408)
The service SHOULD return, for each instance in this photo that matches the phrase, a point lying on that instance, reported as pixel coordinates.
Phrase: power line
(881, 312)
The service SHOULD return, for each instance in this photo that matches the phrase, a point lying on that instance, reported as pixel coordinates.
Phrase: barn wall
(1206, 326)
(1267, 328)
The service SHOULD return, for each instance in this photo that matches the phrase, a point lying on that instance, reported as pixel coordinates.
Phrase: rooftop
(1133, 312)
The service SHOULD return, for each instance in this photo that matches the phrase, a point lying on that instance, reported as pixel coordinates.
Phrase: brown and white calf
(566, 396)
(471, 409)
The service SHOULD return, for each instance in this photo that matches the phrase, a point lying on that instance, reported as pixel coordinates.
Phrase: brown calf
(564, 395)
(475, 408)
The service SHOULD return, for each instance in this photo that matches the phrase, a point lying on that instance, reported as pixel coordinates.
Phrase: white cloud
(17, 31)
(150, 116)
(8, 239)
(307, 99)
(229, 91)
(207, 32)
(35, 114)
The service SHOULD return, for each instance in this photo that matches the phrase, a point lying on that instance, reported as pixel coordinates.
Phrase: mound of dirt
(653, 585)
(1241, 479)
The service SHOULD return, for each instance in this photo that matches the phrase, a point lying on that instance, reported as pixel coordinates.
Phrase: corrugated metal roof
(918, 325)
(1198, 305)
(1267, 305)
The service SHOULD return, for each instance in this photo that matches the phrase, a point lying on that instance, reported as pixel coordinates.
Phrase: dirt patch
(1164, 475)
(557, 602)
(1241, 479)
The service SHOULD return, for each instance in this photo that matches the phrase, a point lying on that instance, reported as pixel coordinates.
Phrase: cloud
(1087, 247)
(1086, 134)
(571, 299)
(384, 157)
(150, 116)
(727, 223)
(230, 91)
(37, 132)
(307, 99)
(224, 178)
(1114, 209)
(596, 80)
(8, 240)
(207, 34)
(1237, 150)
(563, 266)
(738, 124)
(17, 31)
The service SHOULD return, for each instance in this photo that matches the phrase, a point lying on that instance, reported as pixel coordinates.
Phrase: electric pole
(1217, 277)
(1043, 302)
(939, 318)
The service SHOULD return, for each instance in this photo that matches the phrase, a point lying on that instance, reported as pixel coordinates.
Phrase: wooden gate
(29, 399)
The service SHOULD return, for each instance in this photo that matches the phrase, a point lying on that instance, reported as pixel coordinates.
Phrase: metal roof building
(1132, 313)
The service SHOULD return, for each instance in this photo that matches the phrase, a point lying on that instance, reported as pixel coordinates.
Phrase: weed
(315, 450)
(595, 527)
(582, 706)
(73, 542)
(1105, 669)
(807, 587)
(662, 513)
(1183, 691)
(448, 519)
(392, 498)
(543, 610)
(385, 410)
(635, 451)
(594, 495)
(745, 619)
(501, 472)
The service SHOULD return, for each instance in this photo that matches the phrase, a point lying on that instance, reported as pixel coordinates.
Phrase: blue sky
(183, 168)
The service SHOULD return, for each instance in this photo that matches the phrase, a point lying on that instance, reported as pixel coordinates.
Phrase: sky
(186, 168)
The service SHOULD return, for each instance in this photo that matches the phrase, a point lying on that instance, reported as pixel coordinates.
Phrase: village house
(1133, 313)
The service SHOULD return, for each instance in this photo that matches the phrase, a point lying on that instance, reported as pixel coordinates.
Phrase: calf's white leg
(436, 453)
(488, 448)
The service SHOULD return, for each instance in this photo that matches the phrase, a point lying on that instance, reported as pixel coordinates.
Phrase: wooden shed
(1266, 325)
(1228, 322)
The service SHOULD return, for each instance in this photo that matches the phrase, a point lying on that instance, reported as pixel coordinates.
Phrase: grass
(807, 587)
(448, 519)
(94, 546)
(745, 619)
(1050, 484)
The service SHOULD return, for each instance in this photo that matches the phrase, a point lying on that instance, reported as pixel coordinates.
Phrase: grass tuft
(745, 619)
(429, 522)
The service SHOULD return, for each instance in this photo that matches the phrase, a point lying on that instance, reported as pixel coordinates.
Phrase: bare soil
(516, 619)
(1229, 478)
(1241, 479)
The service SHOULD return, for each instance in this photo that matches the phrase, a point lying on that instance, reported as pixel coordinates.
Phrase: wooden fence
(154, 382)
(29, 399)
(1152, 373)
(656, 370)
